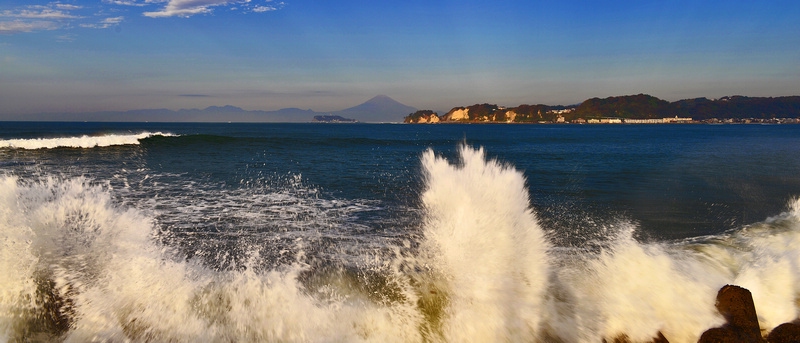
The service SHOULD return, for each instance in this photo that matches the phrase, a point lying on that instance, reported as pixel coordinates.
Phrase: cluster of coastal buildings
(674, 120)
(752, 121)
(678, 120)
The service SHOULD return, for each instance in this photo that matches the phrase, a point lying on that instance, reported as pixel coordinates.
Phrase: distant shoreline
(628, 109)
(749, 121)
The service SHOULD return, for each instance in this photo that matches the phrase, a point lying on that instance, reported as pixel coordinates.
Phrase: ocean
(161, 232)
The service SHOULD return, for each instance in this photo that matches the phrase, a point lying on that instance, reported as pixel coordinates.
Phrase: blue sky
(71, 56)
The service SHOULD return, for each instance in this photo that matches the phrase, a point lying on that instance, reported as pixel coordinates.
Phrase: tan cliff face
(428, 119)
(510, 116)
(459, 114)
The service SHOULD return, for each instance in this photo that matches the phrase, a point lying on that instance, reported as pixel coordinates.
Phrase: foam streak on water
(84, 141)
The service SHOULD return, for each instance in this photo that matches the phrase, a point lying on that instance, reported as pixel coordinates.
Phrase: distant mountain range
(378, 109)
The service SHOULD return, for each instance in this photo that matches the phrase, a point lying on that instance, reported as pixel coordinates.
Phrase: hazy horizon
(119, 55)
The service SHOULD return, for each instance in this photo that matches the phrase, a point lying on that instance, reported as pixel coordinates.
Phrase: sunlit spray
(486, 247)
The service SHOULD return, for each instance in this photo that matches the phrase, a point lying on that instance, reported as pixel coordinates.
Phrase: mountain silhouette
(379, 109)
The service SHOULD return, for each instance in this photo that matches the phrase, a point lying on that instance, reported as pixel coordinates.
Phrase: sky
(111, 55)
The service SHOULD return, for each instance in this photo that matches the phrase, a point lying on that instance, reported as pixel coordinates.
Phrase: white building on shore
(645, 121)
(677, 120)
(658, 120)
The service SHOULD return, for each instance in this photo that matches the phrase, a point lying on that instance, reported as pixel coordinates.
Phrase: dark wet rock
(720, 335)
(736, 305)
(624, 339)
(660, 338)
(785, 333)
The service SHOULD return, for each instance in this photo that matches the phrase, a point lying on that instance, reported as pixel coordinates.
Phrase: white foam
(767, 258)
(124, 286)
(637, 290)
(483, 270)
(84, 141)
(17, 261)
(486, 246)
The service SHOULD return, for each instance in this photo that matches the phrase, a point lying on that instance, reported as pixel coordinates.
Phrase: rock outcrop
(736, 305)
(422, 117)
(785, 333)
(457, 114)
(624, 339)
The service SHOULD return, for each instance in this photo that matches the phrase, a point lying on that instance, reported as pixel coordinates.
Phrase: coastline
(751, 121)
(629, 109)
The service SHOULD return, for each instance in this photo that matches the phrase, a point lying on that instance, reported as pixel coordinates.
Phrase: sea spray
(486, 248)
(768, 264)
(110, 280)
(637, 290)
(17, 263)
(71, 232)
(85, 260)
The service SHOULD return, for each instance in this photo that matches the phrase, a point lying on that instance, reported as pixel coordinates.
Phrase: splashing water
(78, 267)
(486, 248)
(108, 281)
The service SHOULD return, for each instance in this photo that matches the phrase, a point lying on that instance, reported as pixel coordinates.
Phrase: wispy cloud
(105, 23)
(19, 26)
(58, 15)
(37, 18)
(188, 8)
(38, 12)
(67, 7)
(259, 9)
(138, 3)
(65, 38)
(124, 3)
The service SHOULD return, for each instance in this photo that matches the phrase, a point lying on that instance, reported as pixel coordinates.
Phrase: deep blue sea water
(339, 224)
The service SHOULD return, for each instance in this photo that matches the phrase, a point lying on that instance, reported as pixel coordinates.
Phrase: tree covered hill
(640, 106)
(740, 107)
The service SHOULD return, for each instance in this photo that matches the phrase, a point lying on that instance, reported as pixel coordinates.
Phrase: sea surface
(159, 232)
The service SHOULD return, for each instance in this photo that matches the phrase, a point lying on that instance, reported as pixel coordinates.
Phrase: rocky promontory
(422, 117)
(639, 109)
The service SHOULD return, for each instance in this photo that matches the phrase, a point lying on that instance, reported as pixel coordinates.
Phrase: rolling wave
(84, 141)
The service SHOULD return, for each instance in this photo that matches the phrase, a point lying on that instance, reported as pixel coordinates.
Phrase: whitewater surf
(83, 141)
(476, 266)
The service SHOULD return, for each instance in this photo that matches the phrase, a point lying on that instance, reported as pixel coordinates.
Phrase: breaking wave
(84, 141)
(477, 267)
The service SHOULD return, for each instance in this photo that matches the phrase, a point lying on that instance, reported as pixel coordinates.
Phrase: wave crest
(84, 141)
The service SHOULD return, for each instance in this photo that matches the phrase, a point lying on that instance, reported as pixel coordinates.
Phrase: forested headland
(633, 108)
